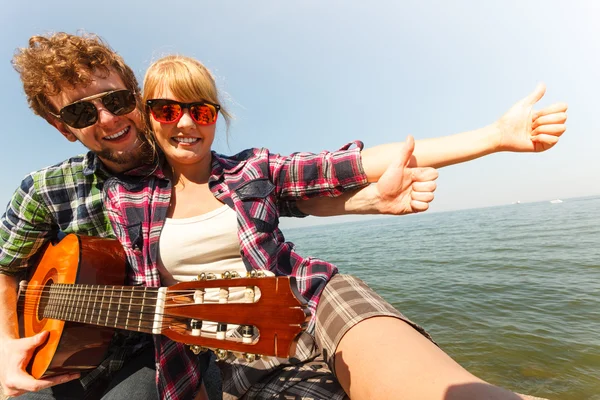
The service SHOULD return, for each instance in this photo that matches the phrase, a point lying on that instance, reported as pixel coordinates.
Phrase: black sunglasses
(83, 113)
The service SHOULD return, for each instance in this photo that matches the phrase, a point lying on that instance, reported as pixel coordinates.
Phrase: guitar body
(71, 346)
(77, 294)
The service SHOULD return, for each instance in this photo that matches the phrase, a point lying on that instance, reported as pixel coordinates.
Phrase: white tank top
(206, 243)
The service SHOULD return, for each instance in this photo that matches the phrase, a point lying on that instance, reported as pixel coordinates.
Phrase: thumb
(407, 151)
(36, 340)
(537, 94)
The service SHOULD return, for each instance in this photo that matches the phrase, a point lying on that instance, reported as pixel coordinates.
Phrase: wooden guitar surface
(71, 346)
(77, 293)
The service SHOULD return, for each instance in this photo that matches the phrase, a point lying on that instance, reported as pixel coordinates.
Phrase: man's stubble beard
(144, 153)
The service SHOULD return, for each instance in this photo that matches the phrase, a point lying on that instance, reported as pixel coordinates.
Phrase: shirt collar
(93, 165)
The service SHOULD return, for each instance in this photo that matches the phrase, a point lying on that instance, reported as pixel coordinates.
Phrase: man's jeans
(136, 381)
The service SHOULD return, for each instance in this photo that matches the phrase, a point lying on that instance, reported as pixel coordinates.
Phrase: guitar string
(147, 326)
(119, 289)
(82, 291)
(78, 293)
(123, 288)
(97, 314)
(140, 324)
(66, 302)
(68, 299)
(70, 293)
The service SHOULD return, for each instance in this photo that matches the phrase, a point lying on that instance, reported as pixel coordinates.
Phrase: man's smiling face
(117, 140)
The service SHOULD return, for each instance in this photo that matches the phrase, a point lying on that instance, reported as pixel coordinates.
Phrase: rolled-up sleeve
(308, 175)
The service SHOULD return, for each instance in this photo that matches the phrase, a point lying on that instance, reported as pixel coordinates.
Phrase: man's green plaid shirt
(66, 197)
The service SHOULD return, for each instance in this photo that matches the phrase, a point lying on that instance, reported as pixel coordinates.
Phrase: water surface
(512, 292)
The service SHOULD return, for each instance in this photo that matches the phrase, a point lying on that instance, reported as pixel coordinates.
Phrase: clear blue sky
(300, 75)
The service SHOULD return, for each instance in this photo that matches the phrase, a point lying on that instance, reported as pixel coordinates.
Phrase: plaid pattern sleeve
(64, 197)
(24, 228)
(306, 175)
(347, 169)
(289, 208)
(261, 187)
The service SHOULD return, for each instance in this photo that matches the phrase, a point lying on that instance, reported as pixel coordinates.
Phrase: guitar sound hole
(44, 301)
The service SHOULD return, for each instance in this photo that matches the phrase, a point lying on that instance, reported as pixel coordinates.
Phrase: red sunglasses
(170, 111)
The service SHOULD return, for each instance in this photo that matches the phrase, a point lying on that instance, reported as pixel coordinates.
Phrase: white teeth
(186, 139)
(118, 134)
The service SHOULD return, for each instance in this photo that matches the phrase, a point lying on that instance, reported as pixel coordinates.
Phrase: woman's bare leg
(386, 358)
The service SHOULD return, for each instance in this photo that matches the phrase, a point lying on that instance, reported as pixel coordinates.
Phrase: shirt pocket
(134, 233)
(132, 239)
(259, 204)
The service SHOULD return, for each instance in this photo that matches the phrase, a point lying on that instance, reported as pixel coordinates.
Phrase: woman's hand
(523, 129)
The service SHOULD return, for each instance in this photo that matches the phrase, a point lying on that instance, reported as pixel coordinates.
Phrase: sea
(512, 292)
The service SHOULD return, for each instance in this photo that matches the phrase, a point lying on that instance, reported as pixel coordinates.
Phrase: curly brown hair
(60, 61)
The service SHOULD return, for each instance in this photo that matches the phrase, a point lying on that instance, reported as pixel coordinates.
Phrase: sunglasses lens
(165, 111)
(79, 115)
(120, 102)
(84, 113)
(204, 114)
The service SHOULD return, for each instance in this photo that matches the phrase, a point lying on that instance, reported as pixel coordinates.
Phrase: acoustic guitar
(77, 293)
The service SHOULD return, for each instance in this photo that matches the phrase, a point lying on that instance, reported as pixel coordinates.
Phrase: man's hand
(15, 355)
(404, 190)
(523, 129)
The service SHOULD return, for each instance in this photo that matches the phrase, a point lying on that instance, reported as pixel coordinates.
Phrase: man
(67, 197)
(87, 92)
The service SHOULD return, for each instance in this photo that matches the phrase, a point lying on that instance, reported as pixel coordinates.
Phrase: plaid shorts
(345, 302)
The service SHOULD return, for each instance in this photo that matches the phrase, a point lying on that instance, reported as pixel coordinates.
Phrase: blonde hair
(187, 78)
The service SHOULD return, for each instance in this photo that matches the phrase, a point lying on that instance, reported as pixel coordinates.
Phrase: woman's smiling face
(184, 142)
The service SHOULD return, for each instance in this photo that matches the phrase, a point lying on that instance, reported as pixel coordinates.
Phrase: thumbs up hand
(403, 189)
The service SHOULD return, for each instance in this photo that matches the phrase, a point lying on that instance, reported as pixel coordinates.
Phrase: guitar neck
(133, 308)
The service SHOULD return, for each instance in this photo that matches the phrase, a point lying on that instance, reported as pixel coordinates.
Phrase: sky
(314, 75)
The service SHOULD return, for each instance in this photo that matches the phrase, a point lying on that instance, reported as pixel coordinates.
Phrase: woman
(203, 212)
